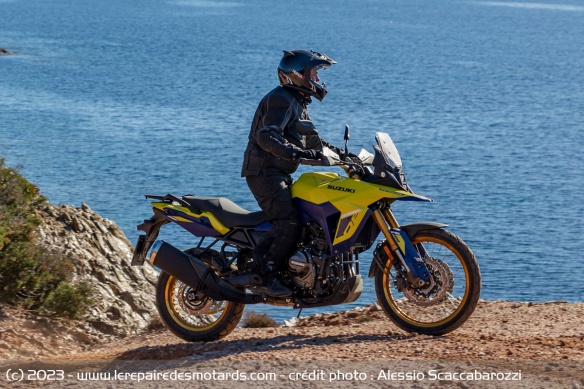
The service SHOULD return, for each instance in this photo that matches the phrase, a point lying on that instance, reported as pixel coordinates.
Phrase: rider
(281, 135)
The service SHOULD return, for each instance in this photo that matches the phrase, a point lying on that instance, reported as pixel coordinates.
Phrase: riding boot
(271, 281)
(275, 288)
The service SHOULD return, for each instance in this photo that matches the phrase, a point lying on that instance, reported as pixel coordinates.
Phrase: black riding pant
(274, 197)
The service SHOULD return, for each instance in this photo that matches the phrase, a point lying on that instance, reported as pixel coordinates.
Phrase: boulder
(123, 295)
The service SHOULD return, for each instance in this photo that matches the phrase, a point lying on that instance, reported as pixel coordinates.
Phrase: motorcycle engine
(302, 269)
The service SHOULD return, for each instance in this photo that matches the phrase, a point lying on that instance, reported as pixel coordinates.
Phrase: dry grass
(258, 320)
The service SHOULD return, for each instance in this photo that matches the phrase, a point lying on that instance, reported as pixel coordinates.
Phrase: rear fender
(152, 228)
(411, 230)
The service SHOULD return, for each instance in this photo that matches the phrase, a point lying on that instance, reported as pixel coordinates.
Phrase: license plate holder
(140, 251)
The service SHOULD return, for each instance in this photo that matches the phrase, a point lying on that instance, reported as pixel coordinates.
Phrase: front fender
(411, 230)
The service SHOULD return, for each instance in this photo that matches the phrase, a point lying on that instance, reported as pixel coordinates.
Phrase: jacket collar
(301, 97)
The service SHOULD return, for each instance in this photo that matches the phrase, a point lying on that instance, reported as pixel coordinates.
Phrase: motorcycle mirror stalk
(347, 136)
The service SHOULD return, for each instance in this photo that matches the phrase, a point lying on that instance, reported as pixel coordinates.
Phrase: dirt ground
(504, 344)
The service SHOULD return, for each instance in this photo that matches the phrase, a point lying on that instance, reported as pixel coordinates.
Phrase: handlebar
(314, 162)
(330, 160)
(353, 166)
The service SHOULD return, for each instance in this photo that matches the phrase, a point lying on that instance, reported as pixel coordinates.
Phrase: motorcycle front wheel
(194, 316)
(448, 298)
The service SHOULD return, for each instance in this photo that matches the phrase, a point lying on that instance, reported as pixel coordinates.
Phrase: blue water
(107, 100)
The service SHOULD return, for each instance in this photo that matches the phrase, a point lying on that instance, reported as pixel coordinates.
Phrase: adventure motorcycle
(427, 280)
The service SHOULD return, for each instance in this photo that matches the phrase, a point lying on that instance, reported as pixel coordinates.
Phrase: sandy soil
(542, 344)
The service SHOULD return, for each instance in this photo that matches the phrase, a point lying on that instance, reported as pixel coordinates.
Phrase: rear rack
(169, 198)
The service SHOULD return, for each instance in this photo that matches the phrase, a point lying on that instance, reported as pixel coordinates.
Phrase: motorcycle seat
(226, 211)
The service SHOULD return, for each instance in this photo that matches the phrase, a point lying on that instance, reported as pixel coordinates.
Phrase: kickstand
(299, 312)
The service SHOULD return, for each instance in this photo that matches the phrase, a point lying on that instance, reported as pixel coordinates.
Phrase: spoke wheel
(446, 301)
(194, 316)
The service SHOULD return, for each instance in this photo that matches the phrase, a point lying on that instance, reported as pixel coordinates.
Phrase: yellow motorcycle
(427, 280)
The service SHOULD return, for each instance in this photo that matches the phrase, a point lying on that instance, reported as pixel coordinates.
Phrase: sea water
(105, 101)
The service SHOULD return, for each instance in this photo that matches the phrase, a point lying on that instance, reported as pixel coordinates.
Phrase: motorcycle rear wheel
(193, 316)
(448, 302)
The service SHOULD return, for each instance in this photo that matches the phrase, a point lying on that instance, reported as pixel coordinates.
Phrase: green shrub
(31, 276)
(68, 300)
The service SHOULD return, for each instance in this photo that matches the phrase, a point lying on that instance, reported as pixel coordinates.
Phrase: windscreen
(390, 152)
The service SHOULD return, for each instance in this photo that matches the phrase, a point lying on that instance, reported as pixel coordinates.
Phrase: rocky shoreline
(544, 339)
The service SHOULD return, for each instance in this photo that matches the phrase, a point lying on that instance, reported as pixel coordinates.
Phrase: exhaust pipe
(196, 274)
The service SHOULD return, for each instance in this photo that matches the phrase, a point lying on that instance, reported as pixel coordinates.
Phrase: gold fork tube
(388, 215)
(382, 223)
(393, 251)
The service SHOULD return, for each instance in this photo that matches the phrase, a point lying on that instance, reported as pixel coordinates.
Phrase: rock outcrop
(123, 295)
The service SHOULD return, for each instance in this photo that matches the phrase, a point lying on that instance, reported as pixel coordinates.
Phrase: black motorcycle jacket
(281, 128)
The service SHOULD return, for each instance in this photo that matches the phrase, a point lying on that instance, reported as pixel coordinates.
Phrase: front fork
(400, 247)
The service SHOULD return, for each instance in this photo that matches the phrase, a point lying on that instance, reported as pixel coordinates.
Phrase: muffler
(195, 273)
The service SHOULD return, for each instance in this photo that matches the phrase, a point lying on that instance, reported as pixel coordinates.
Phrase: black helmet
(295, 71)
